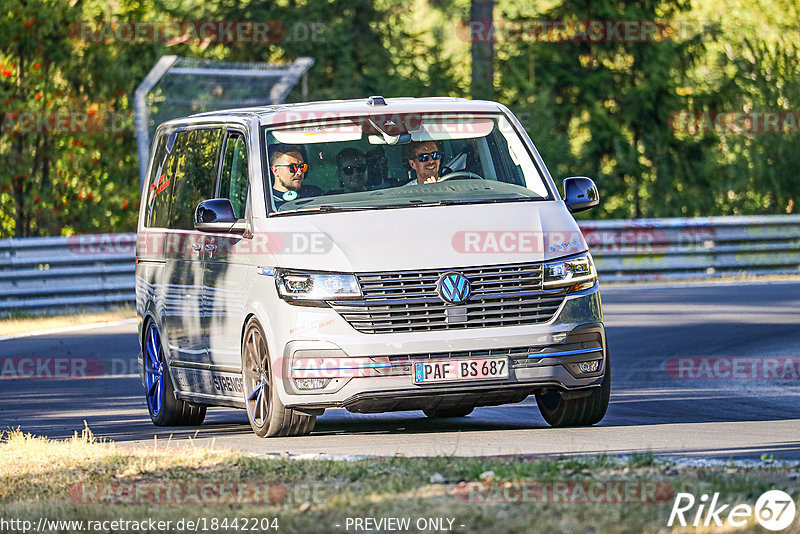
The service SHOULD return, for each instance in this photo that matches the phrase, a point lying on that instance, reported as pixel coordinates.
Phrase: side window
(159, 190)
(195, 174)
(233, 183)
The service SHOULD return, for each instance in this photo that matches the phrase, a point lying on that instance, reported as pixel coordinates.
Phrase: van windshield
(392, 161)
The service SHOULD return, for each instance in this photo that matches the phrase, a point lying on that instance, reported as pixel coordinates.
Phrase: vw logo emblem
(454, 288)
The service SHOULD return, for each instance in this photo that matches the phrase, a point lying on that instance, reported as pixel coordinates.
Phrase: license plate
(459, 370)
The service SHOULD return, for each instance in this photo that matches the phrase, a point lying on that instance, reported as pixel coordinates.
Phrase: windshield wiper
(325, 209)
(414, 203)
(443, 203)
(501, 200)
(476, 201)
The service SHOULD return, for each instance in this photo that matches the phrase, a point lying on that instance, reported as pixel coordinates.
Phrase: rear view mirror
(216, 215)
(580, 193)
(385, 139)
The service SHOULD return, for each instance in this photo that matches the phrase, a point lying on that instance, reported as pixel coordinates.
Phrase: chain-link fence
(177, 87)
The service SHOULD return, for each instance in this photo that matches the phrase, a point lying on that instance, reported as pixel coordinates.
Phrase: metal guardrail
(44, 274)
(653, 249)
(48, 273)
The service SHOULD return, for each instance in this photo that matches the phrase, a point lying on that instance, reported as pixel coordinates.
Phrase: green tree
(601, 108)
(482, 52)
(757, 171)
(67, 147)
(360, 47)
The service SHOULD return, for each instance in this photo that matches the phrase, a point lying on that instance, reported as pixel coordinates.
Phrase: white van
(374, 255)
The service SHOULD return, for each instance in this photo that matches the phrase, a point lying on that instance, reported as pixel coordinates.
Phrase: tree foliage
(601, 109)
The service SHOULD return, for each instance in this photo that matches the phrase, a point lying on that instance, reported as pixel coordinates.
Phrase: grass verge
(20, 324)
(86, 480)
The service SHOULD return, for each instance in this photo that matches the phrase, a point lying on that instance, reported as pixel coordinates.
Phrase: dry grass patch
(36, 475)
(32, 323)
(33, 468)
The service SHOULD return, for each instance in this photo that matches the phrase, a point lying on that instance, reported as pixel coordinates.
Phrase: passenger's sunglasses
(294, 167)
(350, 169)
(422, 158)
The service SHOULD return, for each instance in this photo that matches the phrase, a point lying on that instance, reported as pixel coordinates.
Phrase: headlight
(577, 273)
(316, 286)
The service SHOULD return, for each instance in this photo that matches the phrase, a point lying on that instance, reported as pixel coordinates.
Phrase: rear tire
(459, 411)
(581, 411)
(165, 409)
(266, 413)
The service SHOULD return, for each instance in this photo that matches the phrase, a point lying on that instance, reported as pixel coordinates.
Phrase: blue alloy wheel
(165, 408)
(154, 370)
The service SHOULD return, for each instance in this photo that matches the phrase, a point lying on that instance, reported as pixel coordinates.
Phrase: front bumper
(540, 357)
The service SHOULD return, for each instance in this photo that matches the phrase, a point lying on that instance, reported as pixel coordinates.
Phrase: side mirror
(216, 215)
(580, 193)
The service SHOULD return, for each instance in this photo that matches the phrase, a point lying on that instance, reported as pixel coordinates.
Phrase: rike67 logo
(774, 510)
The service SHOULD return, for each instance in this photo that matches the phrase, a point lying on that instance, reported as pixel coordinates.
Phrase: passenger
(289, 167)
(352, 169)
(424, 157)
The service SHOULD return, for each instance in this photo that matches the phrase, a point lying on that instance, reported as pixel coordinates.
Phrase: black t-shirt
(304, 192)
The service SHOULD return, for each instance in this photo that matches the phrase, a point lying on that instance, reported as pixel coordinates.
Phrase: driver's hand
(431, 180)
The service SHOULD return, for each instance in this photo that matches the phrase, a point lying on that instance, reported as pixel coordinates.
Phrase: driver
(289, 168)
(424, 157)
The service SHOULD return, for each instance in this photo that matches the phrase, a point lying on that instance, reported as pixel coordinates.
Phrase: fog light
(589, 367)
(311, 383)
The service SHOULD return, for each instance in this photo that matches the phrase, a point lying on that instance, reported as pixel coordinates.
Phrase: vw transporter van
(374, 255)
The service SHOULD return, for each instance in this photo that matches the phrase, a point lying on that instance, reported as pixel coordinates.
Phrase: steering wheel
(459, 174)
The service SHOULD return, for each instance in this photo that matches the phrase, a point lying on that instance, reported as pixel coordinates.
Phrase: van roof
(277, 114)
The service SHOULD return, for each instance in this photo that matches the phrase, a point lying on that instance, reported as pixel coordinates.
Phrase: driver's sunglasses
(348, 170)
(294, 167)
(422, 158)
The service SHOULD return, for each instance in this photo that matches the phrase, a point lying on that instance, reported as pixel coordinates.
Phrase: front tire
(581, 411)
(267, 415)
(165, 409)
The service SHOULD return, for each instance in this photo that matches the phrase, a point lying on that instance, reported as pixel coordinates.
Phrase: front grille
(408, 301)
(516, 352)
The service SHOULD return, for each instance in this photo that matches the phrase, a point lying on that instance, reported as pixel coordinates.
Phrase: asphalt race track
(683, 384)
